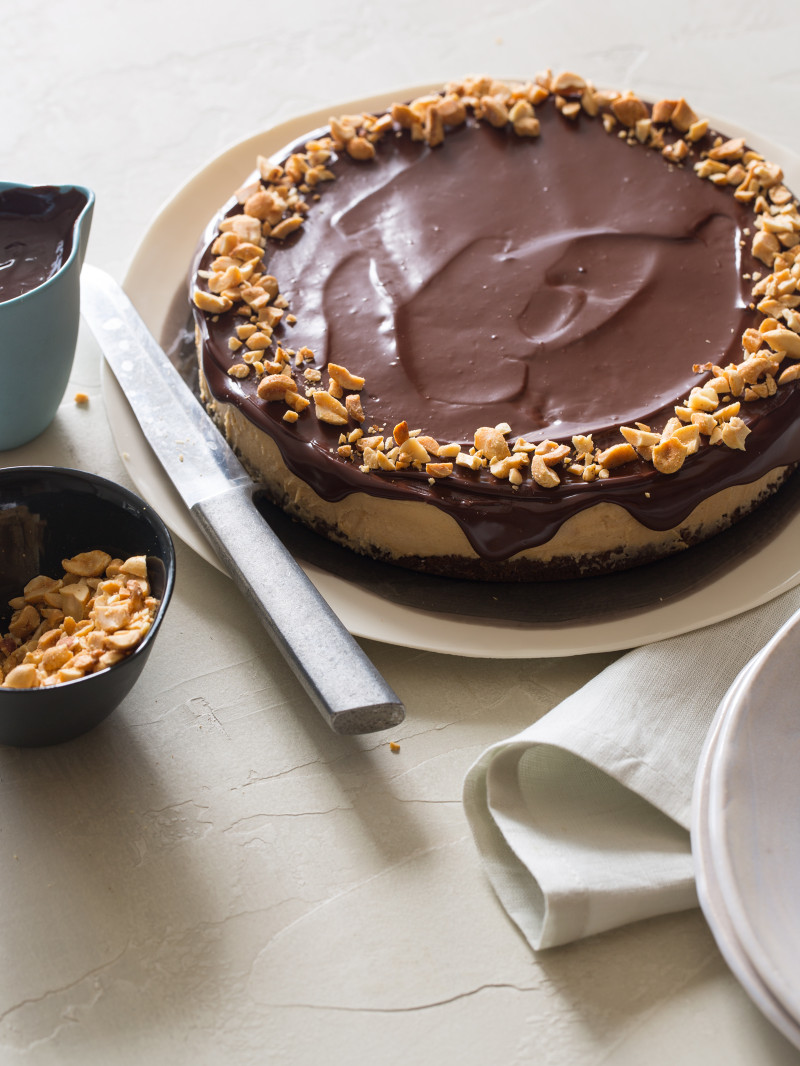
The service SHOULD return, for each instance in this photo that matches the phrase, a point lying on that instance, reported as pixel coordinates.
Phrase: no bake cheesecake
(509, 331)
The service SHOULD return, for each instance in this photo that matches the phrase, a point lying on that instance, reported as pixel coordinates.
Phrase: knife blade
(338, 676)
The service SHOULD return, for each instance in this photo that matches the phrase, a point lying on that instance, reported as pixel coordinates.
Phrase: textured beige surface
(211, 877)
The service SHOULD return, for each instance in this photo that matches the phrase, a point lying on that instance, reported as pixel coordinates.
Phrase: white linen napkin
(582, 820)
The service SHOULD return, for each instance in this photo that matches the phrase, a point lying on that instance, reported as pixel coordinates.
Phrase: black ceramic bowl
(48, 514)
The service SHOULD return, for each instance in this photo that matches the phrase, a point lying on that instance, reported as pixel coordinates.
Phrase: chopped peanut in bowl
(65, 628)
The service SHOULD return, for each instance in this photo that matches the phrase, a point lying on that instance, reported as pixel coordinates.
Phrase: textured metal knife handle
(338, 676)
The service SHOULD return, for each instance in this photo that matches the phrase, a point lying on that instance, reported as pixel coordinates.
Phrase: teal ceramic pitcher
(44, 231)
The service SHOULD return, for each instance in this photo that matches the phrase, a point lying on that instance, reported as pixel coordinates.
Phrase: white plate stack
(746, 829)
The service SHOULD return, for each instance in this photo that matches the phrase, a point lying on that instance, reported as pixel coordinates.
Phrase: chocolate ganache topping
(564, 284)
(36, 227)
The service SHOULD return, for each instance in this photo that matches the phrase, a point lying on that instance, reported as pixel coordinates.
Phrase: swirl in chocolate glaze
(564, 285)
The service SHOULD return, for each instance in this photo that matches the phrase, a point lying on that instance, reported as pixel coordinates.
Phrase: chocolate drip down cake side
(509, 331)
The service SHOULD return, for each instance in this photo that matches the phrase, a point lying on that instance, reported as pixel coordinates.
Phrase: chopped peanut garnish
(89, 623)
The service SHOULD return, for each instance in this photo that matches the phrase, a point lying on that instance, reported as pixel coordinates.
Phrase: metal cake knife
(335, 672)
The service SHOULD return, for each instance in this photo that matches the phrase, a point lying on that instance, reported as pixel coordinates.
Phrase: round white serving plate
(745, 835)
(157, 271)
(745, 829)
